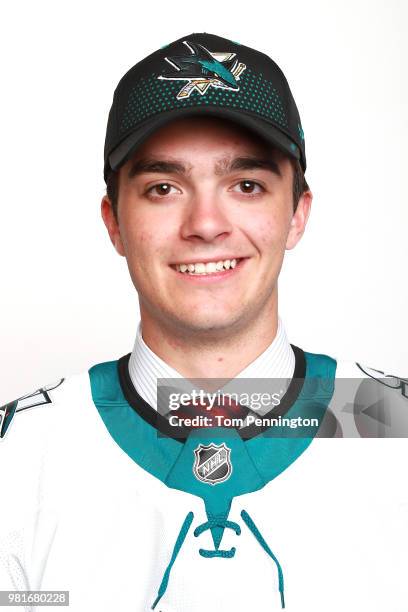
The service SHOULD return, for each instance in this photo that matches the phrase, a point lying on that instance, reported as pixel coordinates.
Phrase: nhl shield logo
(212, 463)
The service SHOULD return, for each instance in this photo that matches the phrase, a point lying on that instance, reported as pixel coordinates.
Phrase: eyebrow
(221, 168)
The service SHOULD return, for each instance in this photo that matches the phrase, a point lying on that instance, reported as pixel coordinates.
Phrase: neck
(210, 354)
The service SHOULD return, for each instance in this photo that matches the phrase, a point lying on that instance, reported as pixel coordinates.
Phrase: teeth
(208, 268)
(199, 268)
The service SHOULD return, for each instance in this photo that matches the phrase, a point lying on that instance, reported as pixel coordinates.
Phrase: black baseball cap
(202, 74)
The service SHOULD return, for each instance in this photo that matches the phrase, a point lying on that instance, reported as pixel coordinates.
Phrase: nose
(205, 218)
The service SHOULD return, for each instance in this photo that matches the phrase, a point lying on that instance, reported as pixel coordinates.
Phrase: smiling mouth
(208, 268)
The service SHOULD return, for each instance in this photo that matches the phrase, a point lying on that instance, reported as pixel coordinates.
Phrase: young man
(132, 493)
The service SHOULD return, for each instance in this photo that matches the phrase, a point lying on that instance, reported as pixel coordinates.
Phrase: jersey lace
(217, 520)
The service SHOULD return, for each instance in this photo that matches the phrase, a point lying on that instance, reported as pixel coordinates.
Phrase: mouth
(216, 269)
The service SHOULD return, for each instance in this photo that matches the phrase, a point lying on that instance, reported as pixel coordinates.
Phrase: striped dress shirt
(145, 367)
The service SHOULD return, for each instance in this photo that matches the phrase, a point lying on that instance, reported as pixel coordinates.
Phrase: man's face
(205, 191)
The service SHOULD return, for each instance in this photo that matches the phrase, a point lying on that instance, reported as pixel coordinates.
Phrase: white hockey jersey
(95, 502)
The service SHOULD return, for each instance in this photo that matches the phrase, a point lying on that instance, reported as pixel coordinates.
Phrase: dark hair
(299, 186)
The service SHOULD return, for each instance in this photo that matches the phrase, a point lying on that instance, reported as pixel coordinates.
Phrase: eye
(249, 187)
(160, 189)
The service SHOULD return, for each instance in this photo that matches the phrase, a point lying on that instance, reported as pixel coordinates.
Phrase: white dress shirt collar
(145, 367)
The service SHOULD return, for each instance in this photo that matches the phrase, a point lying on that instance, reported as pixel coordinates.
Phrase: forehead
(204, 135)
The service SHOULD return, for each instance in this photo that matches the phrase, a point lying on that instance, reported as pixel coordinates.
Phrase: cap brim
(263, 128)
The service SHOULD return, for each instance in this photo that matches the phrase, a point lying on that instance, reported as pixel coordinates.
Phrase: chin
(208, 324)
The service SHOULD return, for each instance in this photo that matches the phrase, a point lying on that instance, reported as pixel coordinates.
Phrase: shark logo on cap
(202, 69)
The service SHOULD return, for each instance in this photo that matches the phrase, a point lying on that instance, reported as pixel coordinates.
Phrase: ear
(299, 220)
(112, 225)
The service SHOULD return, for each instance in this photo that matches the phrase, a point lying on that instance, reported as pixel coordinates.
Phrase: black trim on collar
(159, 422)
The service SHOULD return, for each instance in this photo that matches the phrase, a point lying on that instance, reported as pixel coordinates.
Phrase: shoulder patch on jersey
(41, 396)
(381, 404)
(388, 380)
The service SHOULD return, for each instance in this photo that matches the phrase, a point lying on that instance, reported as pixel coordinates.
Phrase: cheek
(137, 241)
(146, 248)
(271, 233)
(141, 256)
(145, 238)
(144, 232)
(137, 235)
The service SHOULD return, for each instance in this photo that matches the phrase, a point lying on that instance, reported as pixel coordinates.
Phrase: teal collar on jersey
(255, 461)
(161, 423)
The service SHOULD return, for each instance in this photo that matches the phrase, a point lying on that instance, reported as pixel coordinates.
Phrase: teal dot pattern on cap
(151, 96)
